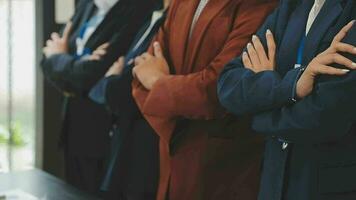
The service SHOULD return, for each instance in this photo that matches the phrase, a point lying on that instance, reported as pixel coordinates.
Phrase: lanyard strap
(82, 30)
(301, 52)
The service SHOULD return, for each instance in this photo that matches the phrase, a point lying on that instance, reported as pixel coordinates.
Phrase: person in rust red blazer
(204, 154)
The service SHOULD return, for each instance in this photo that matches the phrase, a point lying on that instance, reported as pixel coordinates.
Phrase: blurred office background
(29, 107)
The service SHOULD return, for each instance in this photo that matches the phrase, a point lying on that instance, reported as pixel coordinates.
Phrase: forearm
(325, 115)
(242, 91)
(187, 96)
(50, 67)
(115, 93)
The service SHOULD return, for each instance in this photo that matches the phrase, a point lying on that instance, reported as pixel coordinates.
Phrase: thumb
(157, 50)
(121, 60)
(67, 31)
(121, 64)
(104, 46)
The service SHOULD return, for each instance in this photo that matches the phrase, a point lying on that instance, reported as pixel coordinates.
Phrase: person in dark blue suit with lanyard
(99, 32)
(133, 165)
(296, 80)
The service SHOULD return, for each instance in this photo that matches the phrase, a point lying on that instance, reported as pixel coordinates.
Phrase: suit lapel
(294, 32)
(182, 26)
(285, 10)
(108, 19)
(327, 16)
(210, 11)
(88, 13)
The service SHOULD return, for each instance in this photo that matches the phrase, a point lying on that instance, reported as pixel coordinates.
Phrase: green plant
(3, 138)
(17, 139)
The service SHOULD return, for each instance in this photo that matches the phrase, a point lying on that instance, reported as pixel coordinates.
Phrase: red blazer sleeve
(194, 96)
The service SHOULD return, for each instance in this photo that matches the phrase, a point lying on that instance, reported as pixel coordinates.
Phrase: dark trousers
(135, 175)
(84, 173)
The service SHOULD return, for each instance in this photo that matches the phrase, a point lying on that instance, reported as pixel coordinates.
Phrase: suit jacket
(133, 138)
(311, 145)
(85, 122)
(208, 162)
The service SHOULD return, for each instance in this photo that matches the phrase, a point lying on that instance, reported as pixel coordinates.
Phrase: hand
(98, 53)
(116, 68)
(256, 58)
(150, 68)
(320, 64)
(57, 44)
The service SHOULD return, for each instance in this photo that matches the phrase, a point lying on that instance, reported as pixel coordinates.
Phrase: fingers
(55, 36)
(100, 52)
(138, 60)
(343, 32)
(104, 46)
(67, 31)
(157, 50)
(49, 43)
(97, 54)
(327, 70)
(347, 48)
(146, 56)
(44, 50)
(260, 50)
(121, 61)
(246, 61)
(94, 57)
(271, 44)
(253, 55)
(134, 72)
(120, 64)
(339, 59)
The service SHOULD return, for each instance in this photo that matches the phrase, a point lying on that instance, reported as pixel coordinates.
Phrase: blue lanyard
(87, 51)
(82, 30)
(301, 51)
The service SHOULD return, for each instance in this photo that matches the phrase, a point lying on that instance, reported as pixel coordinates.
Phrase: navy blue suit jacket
(115, 93)
(85, 122)
(320, 161)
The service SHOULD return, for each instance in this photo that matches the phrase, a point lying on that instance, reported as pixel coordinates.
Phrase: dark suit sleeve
(325, 115)
(79, 75)
(115, 93)
(241, 91)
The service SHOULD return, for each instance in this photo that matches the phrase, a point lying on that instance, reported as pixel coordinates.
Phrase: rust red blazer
(217, 158)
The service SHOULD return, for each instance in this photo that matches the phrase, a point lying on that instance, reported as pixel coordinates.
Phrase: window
(17, 84)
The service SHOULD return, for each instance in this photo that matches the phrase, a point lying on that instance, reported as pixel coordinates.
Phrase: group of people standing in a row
(208, 99)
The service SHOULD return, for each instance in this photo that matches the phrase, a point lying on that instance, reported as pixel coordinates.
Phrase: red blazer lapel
(181, 26)
(210, 11)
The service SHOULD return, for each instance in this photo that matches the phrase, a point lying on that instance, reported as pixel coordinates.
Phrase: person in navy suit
(98, 33)
(133, 165)
(297, 81)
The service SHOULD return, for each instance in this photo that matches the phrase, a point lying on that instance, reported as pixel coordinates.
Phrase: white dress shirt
(314, 12)
(201, 6)
(92, 25)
